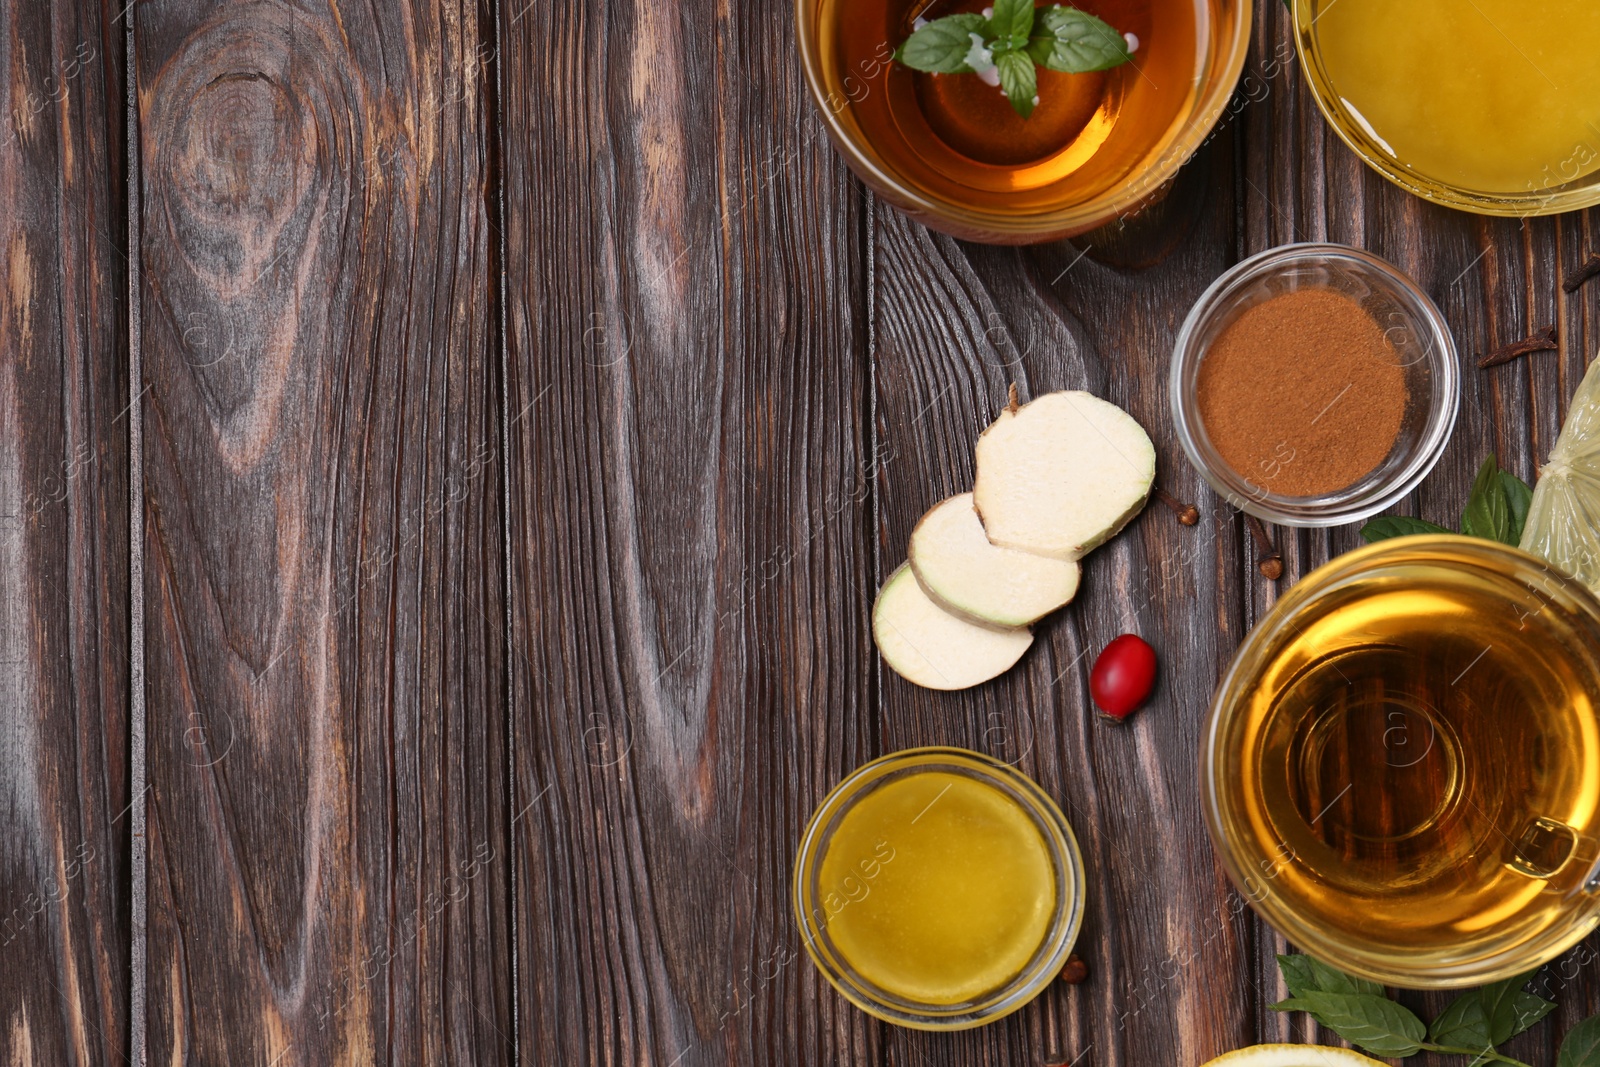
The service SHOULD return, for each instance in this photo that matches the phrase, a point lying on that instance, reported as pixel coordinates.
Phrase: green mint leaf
(941, 46)
(1381, 529)
(1373, 1022)
(1075, 42)
(1019, 80)
(1528, 1009)
(1462, 1024)
(1330, 980)
(1508, 1010)
(1011, 23)
(1298, 975)
(1488, 513)
(1303, 974)
(1519, 497)
(1582, 1046)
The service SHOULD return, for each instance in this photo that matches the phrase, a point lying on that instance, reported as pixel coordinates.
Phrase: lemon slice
(1563, 523)
(1293, 1056)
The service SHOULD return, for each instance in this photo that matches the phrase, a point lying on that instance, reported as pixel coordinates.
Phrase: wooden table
(449, 451)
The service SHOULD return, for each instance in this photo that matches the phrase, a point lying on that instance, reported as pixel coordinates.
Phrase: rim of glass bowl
(1326, 580)
(1357, 502)
(1065, 857)
(1044, 225)
(1569, 196)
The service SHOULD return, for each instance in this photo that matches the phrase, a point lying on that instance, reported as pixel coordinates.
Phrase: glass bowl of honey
(1491, 106)
(1314, 385)
(938, 889)
(1402, 767)
(949, 150)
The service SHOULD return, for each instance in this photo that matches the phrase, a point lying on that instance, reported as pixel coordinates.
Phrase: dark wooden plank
(689, 528)
(64, 666)
(1496, 280)
(956, 324)
(324, 537)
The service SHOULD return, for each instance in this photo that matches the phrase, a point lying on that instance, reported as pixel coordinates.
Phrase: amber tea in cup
(1402, 771)
(950, 150)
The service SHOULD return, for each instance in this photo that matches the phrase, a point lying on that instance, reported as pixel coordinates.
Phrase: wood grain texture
(689, 529)
(498, 651)
(323, 538)
(64, 792)
(1163, 936)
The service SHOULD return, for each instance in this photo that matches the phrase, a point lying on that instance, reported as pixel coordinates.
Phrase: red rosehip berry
(1123, 676)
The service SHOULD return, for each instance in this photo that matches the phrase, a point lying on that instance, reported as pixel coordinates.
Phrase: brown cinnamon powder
(1303, 394)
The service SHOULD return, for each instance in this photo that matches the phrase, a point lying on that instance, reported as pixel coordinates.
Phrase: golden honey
(938, 888)
(1492, 96)
(955, 894)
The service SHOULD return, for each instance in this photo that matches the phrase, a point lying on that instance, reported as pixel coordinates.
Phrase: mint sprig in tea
(1013, 106)
(1002, 46)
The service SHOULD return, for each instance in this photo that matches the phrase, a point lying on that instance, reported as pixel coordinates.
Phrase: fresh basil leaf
(1488, 513)
(1019, 80)
(1375, 1023)
(1462, 1024)
(1075, 42)
(1508, 1010)
(941, 46)
(1387, 526)
(1011, 23)
(1582, 1045)
(1518, 497)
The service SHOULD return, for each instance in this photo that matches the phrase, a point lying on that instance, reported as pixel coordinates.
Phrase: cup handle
(1546, 846)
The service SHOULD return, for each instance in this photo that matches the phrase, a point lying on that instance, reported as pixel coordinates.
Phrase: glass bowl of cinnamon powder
(1314, 385)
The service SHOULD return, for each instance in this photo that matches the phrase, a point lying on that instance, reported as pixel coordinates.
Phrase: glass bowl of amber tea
(1402, 767)
(951, 151)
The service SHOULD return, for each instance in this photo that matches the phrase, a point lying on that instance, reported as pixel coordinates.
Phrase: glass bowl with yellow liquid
(1402, 768)
(938, 889)
(1490, 106)
(948, 149)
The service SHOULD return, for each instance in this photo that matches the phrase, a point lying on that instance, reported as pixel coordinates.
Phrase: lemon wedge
(1563, 523)
(1293, 1056)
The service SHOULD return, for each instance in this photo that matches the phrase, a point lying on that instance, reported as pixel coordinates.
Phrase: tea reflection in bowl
(949, 150)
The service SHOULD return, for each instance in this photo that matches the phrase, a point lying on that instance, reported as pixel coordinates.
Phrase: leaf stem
(1480, 1055)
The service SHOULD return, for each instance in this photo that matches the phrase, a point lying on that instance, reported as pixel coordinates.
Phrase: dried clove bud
(1268, 561)
(1187, 514)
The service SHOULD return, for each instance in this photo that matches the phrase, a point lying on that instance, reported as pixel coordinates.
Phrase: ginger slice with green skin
(930, 647)
(1061, 475)
(968, 575)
